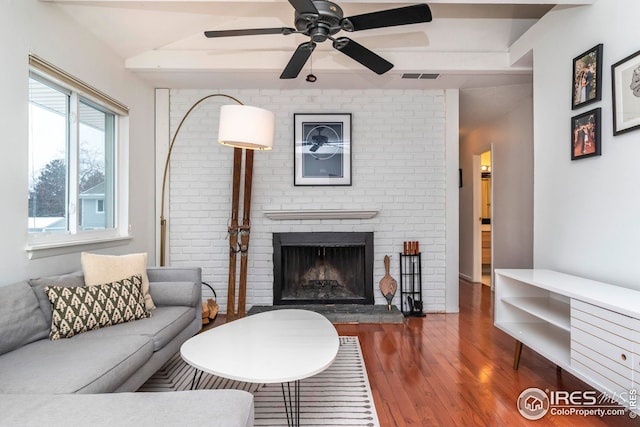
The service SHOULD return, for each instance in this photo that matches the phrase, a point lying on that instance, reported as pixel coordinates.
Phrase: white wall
(587, 211)
(31, 26)
(510, 138)
(399, 168)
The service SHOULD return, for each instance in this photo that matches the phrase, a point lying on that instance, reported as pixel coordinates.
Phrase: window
(73, 141)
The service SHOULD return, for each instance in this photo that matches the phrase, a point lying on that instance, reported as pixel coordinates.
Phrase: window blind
(73, 82)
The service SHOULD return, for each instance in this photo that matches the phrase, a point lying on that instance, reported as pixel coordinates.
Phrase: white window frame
(49, 244)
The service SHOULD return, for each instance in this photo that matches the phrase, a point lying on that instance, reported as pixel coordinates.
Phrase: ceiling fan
(322, 19)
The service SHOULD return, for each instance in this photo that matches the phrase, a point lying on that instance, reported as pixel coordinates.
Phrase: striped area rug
(339, 396)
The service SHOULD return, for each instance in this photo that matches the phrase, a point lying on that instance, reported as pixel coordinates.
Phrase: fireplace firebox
(322, 268)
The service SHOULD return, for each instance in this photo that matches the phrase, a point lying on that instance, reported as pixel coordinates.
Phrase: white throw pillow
(101, 269)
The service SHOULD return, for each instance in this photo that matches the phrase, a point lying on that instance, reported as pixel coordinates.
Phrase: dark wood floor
(456, 370)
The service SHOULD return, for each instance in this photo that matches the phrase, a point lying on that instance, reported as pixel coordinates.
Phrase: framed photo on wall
(587, 78)
(322, 149)
(585, 135)
(625, 76)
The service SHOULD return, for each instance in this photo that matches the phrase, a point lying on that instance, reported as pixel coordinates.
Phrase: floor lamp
(240, 126)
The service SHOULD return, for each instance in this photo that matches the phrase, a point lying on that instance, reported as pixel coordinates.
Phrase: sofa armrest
(213, 408)
(187, 294)
(175, 286)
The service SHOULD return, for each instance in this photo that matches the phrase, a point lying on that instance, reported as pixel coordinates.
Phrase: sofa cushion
(212, 408)
(83, 308)
(21, 320)
(97, 365)
(66, 280)
(99, 269)
(163, 326)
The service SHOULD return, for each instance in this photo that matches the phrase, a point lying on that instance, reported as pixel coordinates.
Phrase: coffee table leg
(196, 374)
(292, 403)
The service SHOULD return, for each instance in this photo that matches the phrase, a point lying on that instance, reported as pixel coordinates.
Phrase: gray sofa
(38, 375)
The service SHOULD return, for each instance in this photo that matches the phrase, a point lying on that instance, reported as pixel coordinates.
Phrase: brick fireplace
(404, 186)
(322, 268)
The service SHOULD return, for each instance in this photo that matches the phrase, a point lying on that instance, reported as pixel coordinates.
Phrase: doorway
(484, 201)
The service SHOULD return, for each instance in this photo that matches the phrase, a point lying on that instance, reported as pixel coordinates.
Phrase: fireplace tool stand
(411, 284)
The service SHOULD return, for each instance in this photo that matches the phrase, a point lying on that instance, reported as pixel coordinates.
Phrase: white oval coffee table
(278, 346)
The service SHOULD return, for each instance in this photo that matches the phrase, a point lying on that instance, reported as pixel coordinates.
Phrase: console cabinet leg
(516, 356)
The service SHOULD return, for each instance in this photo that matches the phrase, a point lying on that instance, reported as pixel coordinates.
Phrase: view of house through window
(71, 161)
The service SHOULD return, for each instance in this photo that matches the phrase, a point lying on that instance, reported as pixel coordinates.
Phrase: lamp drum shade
(244, 126)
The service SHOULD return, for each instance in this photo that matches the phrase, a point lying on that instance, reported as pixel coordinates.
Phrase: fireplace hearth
(322, 268)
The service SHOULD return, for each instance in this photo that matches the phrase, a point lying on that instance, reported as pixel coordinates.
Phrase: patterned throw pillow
(84, 308)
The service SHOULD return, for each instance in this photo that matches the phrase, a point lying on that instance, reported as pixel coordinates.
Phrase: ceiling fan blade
(388, 18)
(249, 32)
(304, 6)
(297, 61)
(363, 55)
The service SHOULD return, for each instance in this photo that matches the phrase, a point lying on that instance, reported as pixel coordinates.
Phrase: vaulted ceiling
(466, 44)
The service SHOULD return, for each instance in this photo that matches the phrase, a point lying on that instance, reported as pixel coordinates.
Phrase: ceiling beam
(436, 62)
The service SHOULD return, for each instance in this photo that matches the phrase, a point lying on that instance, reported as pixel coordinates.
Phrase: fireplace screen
(322, 268)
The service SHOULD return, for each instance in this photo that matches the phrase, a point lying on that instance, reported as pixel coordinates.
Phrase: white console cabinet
(588, 328)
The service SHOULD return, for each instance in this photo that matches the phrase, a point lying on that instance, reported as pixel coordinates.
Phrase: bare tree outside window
(64, 195)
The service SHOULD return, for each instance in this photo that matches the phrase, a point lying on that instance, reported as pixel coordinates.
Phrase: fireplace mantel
(320, 214)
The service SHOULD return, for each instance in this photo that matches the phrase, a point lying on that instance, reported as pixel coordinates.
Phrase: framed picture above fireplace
(322, 149)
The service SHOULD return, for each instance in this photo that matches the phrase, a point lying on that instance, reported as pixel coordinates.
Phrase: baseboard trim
(465, 277)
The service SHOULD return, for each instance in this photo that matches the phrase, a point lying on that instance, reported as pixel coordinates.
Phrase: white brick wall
(398, 152)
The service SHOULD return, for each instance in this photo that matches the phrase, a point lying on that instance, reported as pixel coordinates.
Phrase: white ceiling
(162, 41)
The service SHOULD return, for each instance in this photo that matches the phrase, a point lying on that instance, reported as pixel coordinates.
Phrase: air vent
(426, 76)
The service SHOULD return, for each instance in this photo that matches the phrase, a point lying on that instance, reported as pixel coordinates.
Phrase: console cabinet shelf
(550, 310)
(588, 328)
(549, 341)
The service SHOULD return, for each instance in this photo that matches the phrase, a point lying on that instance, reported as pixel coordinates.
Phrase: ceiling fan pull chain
(311, 78)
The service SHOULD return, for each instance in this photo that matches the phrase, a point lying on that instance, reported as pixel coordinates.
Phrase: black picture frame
(625, 82)
(586, 79)
(585, 135)
(322, 149)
